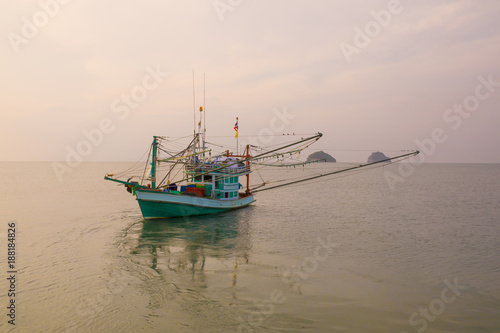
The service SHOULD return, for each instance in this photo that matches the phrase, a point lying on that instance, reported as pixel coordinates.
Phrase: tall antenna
(204, 116)
(204, 109)
(194, 108)
(194, 120)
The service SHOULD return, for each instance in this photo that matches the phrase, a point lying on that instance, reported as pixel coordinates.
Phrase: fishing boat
(210, 186)
(211, 182)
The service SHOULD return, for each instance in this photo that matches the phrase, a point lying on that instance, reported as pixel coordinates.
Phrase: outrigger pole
(338, 171)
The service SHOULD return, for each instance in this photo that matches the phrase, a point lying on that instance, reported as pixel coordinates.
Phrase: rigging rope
(146, 166)
(176, 160)
(312, 139)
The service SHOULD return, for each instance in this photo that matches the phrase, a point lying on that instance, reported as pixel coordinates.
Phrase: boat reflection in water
(185, 265)
(176, 245)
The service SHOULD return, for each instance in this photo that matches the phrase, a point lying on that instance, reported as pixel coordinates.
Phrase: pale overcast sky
(369, 75)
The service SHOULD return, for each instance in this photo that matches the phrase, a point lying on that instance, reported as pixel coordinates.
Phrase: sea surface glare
(347, 255)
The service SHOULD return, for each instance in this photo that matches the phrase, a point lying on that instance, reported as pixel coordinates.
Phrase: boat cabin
(218, 180)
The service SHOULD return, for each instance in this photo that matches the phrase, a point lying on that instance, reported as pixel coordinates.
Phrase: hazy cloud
(263, 55)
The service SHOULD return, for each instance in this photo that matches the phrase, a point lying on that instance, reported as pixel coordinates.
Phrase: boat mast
(153, 163)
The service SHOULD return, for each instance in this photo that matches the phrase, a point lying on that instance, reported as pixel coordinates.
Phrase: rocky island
(321, 156)
(377, 157)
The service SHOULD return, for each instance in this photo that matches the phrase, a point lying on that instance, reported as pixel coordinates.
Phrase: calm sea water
(348, 255)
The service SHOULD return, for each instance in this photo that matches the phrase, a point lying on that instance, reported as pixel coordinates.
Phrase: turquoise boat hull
(164, 205)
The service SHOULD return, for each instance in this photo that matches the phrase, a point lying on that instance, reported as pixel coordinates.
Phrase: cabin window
(198, 179)
(235, 194)
(226, 195)
(208, 178)
(231, 194)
